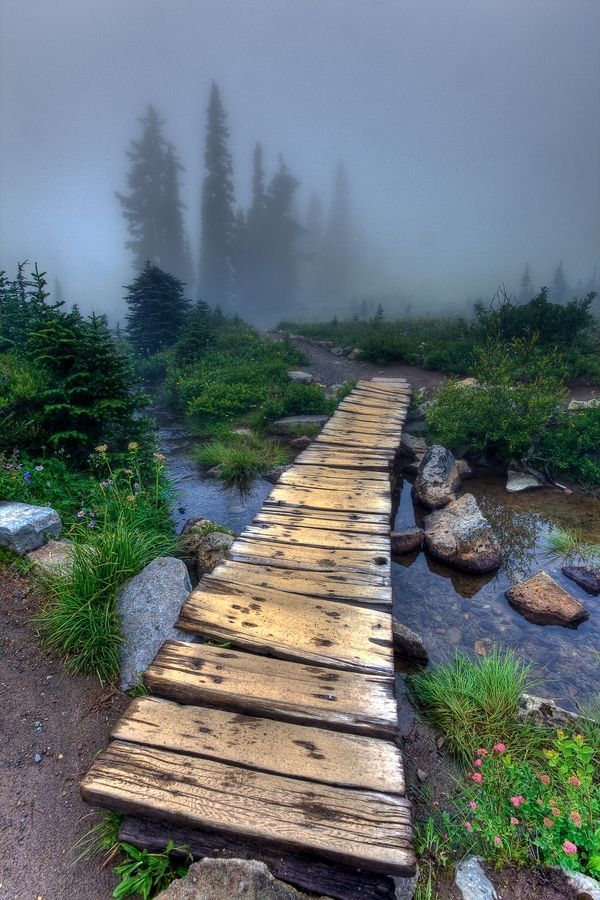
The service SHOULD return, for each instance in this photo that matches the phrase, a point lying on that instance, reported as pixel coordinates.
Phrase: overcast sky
(469, 128)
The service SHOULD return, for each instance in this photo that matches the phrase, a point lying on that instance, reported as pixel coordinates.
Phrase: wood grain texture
(354, 826)
(292, 626)
(275, 688)
(312, 559)
(324, 538)
(352, 500)
(280, 748)
(304, 871)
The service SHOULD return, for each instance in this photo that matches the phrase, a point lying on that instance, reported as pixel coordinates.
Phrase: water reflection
(455, 610)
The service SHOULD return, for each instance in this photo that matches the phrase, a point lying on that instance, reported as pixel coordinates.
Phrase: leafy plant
(147, 873)
(471, 702)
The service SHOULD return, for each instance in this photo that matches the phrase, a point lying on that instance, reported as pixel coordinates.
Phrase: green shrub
(572, 446)
(474, 703)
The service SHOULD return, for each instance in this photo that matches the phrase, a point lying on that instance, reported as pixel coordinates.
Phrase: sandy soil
(62, 722)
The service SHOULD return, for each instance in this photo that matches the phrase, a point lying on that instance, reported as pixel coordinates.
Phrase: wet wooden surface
(285, 733)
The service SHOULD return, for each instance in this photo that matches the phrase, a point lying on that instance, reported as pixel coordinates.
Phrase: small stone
(472, 882)
(461, 536)
(291, 424)
(405, 888)
(421, 775)
(224, 879)
(300, 377)
(544, 602)
(576, 405)
(482, 647)
(273, 475)
(301, 443)
(408, 643)
(521, 481)
(406, 541)
(412, 446)
(586, 577)
(440, 741)
(464, 469)
(37, 758)
(24, 527)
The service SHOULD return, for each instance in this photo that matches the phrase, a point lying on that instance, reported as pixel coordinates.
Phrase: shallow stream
(449, 609)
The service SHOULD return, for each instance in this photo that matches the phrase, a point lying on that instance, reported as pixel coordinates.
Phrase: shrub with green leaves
(571, 445)
(148, 874)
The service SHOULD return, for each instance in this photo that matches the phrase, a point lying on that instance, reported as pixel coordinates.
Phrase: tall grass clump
(236, 458)
(112, 544)
(570, 544)
(475, 703)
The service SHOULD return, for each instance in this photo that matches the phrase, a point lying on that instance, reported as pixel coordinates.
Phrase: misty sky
(469, 128)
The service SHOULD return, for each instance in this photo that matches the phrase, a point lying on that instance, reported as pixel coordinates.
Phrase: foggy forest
(299, 449)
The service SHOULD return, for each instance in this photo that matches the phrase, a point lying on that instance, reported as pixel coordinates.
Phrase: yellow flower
(132, 445)
(101, 448)
(131, 497)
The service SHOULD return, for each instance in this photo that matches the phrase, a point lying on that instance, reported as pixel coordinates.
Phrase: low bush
(571, 445)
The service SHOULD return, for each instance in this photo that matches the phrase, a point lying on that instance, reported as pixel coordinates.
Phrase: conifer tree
(157, 309)
(559, 288)
(281, 233)
(152, 206)
(526, 290)
(217, 215)
(336, 277)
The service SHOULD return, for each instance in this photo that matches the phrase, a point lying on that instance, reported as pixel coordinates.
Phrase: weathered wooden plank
(354, 440)
(280, 748)
(303, 870)
(349, 425)
(311, 559)
(298, 476)
(324, 538)
(346, 459)
(313, 518)
(289, 691)
(354, 826)
(374, 501)
(297, 473)
(292, 626)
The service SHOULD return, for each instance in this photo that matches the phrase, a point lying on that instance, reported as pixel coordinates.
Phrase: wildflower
(81, 514)
(102, 448)
(497, 841)
(514, 821)
(575, 818)
(482, 752)
(92, 514)
(545, 779)
(27, 477)
(127, 471)
(548, 822)
(130, 497)
(132, 445)
(517, 801)
(103, 485)
(468, 826)
(578, 738)
(435, 803)
(555, 812)
(473, 805)
(500, 747)
(159, 457)
(574, 780)
(477, 777)
(569, 848)
(91, 524)
(478, 762)
(39, 468)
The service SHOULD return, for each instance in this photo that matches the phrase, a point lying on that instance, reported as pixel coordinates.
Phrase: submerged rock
(587, 577)
(437, 479)
(225, 879)
(148, 608)
(406, 541)
(461, 536)
(300, 377)
(25, 527)
(472, 882)
(542, 601)
(408, 643)
(464, 469)
(521, 481)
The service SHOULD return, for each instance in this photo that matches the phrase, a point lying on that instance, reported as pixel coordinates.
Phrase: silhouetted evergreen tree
(559, 289)
(199, 332)
(526, 289)
(157, 309)
(336, 277)
(252, 253)
(152, 206)
(217, 215)
(281, 233)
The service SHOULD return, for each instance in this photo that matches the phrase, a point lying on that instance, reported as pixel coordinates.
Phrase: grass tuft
(571, 545)
(237, 458)
(474, 703)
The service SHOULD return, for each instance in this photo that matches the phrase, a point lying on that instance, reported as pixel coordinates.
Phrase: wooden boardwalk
(285, 735)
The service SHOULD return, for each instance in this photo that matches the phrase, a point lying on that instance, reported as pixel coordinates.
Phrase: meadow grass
(571, 545)
(475, 703)
(237, 458)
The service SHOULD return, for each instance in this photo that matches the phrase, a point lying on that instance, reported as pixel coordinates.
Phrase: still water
(449, 609)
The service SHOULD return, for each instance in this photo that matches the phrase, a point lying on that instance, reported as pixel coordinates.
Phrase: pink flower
(473, 805)
(478, 762)
(575, 818)
(514, 821)
(435, 803)
(545, 779)
(497, 841)
(569, 848)
(555, 812)
(477, 777)
(482, 752)
(574, 780)
(517, 801)
(499, 748)
(468, 826)
(548, 822)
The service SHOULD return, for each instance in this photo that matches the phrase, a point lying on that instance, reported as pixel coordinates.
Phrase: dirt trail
(51, 727)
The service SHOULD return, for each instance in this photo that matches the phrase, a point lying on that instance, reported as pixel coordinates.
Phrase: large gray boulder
(540, 599)
(291, 424)
(437, 478)
(583, 886)
(148, 607)
(472, 882)
(226, 879)
(461, 536)
(24, 527)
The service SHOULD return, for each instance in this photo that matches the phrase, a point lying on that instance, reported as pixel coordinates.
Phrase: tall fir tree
(217, 283)
(157, 310)
(281, 233)
(526, 288)
(153, 207)
(559, 289)
(336, 277)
